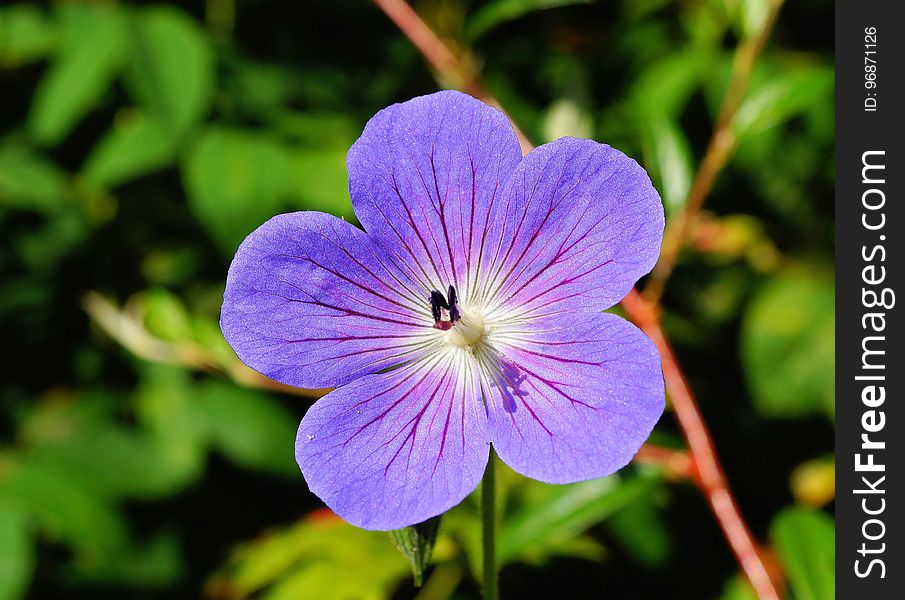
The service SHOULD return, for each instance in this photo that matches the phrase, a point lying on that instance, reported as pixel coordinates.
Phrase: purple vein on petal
(378, 451)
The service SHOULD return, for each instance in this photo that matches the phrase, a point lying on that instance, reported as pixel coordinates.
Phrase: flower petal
(574, 401)
(578, 224)
(424, 176)
(394, 449)
(310, 302)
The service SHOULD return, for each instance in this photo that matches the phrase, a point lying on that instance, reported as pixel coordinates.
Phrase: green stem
(488, 522)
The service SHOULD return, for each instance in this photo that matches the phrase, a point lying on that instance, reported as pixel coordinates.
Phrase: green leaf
(672, 157)
(165, 407)
(206, 332)
(805, 541)
(316, 558)
(156, 564)
(500, 11)
(170, 266)
(17, 557)
(249, 427)
(30, 181)
(236, 180)
(327, 581)
(91, 51)
(112, 462)
(787, 344)
(25, 35)
(738, 588)
(417, 544)
(781, 96)
(136, 145)
(64, 508)
(665, 87)
(317, 129)
(78, 438)
(44, 247)
(259, 87)
(640, 528)
(562, 512)
(749, 16)
(321, 182)
(566, 117)
(165, 316)
(171, 72)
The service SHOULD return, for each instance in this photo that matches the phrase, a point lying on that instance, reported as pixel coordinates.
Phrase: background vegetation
(141, 141)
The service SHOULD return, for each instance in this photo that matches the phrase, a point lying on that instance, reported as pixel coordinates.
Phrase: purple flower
(467, 312)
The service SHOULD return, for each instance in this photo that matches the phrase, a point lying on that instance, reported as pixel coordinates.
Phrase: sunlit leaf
(237, 180)
(805, 540)
(561, 512)
(320, 181)
(641, 530)
(787, 345)
(738, 588)
(322, 130)
(324, 580)
(30, 181)
(26, 34)
(781, 96)
(249, 427)
(206, 332)
(113, 462)
(136, 145)
(17, 555)
(165, 316)
(260, 86)
(64, 509)
(320, 556)
(666, 85)
(171, 71)
(672, 157)
(566, 118)
(500, 11)
(749, 16)
(155, 564)
(165, 407)
(91, 50)
(78, 437)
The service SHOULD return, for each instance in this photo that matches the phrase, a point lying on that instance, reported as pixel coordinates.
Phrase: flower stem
(488, 523)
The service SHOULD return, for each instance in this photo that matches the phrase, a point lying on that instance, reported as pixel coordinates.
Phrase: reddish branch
(702, 466)
(719, 149)
(449, 68)
(709, 473)
(675, 464)
(428, 44)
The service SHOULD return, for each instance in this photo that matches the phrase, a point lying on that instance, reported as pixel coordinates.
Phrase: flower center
(469, 330)
(464, 328)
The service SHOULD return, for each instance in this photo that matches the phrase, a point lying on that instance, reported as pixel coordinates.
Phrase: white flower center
(469, 330)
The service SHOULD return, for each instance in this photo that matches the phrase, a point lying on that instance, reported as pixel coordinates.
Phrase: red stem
(422, 37)
(710, 477)
(441, 57)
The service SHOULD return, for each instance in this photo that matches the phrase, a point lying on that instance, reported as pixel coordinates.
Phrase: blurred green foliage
(140, 142)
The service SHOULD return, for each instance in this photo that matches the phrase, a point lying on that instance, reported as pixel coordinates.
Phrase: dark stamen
(435, 311)
(453, 305)
(439, 303)
(438, 299)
